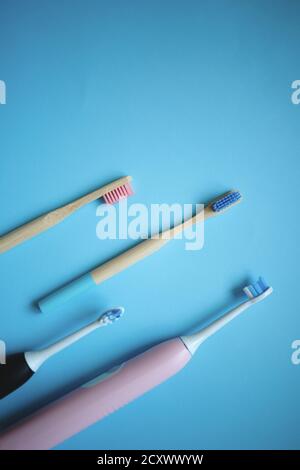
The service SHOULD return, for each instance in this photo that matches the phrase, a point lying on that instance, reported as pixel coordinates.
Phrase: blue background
(191, 98)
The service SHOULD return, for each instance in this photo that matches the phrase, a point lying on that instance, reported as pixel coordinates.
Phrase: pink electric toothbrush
(93, 401)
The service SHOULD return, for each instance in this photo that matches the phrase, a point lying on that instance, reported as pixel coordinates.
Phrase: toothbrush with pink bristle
(111, 193)
(119, 386)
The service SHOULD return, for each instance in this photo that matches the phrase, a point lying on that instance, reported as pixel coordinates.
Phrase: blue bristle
(263, 283)
(252, 290)
(226, 201)
(113, 314)
(257, 287)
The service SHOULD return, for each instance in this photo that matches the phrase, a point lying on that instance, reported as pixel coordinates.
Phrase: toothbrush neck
(68, 340)
(36, 358)
(192, 342)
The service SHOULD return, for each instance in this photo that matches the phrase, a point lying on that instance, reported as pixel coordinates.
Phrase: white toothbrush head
(112, 315)
(257, 291)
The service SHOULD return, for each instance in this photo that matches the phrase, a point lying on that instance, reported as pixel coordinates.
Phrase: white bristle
(248, 292)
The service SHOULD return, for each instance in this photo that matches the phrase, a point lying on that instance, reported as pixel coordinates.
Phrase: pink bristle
(114, 196)
(128, 189)
(118, 193)
(107, 198)
(117, 196)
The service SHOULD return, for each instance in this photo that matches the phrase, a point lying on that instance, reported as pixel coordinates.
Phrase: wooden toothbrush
(135, 254)
(111, 193)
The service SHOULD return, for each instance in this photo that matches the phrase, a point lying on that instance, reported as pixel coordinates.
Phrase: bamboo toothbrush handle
(115, 265)
(46, 221)
(118, 264)
(101, 273)
(143, 249)
(29, 230)
(126, 259)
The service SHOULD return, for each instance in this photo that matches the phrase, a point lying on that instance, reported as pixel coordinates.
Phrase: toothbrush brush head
(112, 315)
(258, 290)
(115, 195)
(226, 201)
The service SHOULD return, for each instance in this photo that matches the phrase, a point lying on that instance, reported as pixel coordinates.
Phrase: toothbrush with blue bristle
(115, 388)
(20, 367)
(135, 254)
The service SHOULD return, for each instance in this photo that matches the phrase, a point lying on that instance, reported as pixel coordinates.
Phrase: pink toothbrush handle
(65, 417)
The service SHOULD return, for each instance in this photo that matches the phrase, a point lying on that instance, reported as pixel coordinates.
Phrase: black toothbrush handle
(13, 374)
